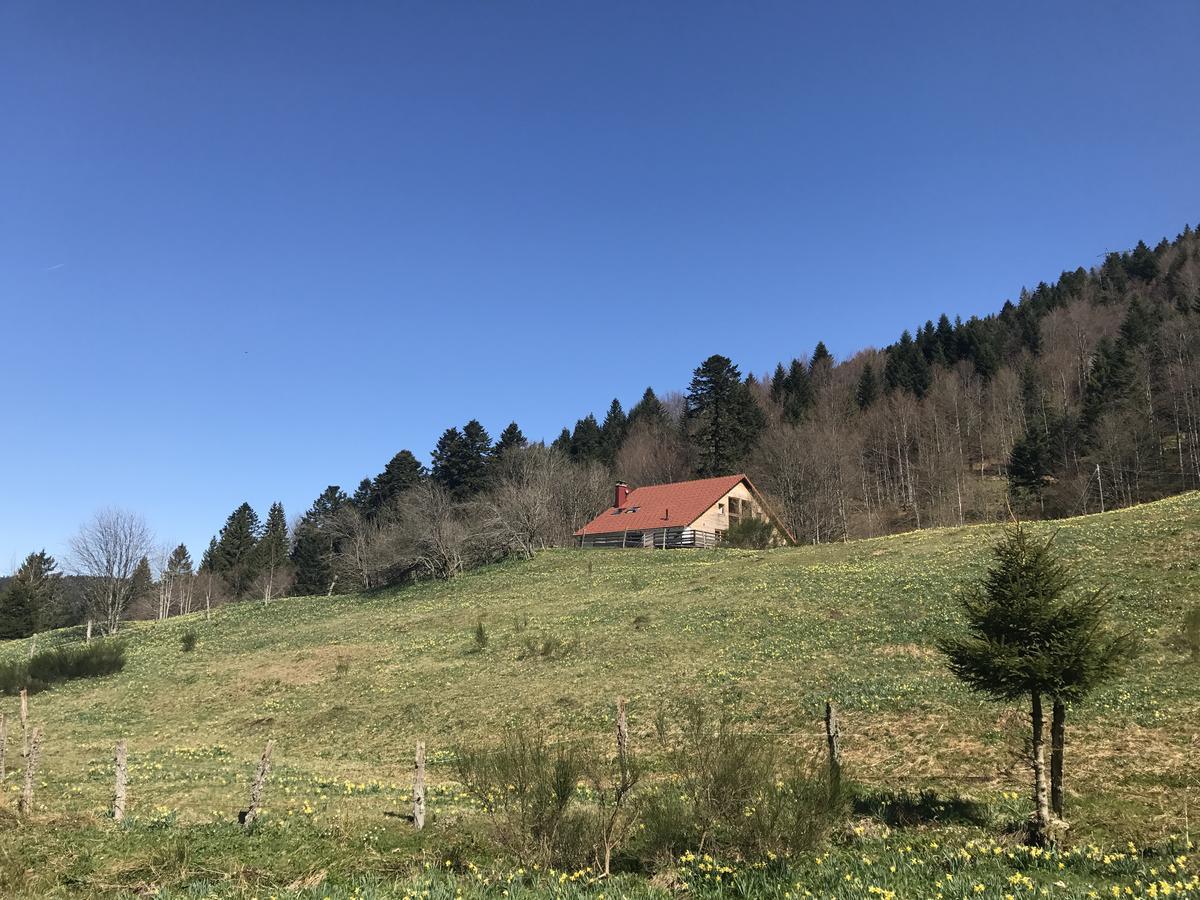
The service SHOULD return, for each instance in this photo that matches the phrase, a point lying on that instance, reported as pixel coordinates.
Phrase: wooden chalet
(682, 514)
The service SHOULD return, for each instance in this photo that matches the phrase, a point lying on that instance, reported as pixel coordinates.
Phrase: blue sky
(248, 250)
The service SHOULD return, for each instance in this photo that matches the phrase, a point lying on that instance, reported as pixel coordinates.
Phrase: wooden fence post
(418, 813)
(833, 736)
(260, 782)
(622, 741)
(31, 760)
(119, 780)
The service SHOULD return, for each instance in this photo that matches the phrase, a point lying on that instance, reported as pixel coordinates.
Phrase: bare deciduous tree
(106, 551)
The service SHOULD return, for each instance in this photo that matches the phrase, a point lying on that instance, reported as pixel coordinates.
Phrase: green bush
(750, 534)
(72, 661)
(187, 640)
(732, 789)
(526, 787)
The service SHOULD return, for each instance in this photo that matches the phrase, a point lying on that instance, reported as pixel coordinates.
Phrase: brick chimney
(622, 495)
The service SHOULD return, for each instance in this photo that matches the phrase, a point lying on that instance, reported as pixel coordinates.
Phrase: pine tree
(1026, 637)
(867, 390)
(511, 438)
(613, 431)
(723, 418)
(821, 358)
(236, 559)
(208, 562)
(272, 552)
(778, 384)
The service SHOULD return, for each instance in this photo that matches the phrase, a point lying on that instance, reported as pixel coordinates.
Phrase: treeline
(1083, 395)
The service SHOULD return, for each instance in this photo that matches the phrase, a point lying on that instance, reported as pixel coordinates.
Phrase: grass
(347, 685)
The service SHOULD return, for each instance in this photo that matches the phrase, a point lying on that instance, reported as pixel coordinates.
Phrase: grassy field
(346, 685)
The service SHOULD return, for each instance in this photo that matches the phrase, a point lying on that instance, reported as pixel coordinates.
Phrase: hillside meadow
(346, 686)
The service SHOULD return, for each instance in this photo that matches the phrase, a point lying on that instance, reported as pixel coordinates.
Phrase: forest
(1081, 396)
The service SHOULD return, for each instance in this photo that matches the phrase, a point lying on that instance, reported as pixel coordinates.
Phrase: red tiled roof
(663, 506)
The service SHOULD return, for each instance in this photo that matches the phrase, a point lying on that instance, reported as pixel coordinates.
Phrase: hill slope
(346, 684)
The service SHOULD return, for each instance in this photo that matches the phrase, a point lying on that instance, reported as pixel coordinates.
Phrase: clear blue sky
(250, 249)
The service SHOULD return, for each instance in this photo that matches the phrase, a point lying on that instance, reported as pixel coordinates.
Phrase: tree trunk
(1058, 724)
(1039, 824)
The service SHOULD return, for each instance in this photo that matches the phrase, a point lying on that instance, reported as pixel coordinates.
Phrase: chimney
(622, 494)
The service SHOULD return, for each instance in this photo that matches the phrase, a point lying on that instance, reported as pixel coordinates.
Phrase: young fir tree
(723, 417)
(1027, 637)
(272, 553)
(236, 559)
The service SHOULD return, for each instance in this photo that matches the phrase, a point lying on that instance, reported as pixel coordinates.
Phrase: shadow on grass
(901, 808)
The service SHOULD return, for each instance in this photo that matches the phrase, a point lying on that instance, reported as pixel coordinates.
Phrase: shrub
(549, 646)
(641, 622)
(342, 667)
(750, 534)
(72, 661)
(732, 790)
(187, 640)
(481, 636)
(526, 788)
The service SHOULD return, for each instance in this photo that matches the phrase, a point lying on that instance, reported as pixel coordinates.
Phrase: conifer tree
(1026, 637)
(208, 561)
(613, 431)
(39, 573)
(510, 438)
(236, 559)
(272, 552)
(402, 473)
(315, 543)
(363, 497)
(460, 460)
(587, 443)
(798, 393)
(724, 420)
(867, 390)
(648, 409)
(562, 443)
(143, 582)
(17, 611)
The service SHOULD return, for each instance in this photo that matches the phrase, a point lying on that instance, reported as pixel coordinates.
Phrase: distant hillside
(346, 684)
